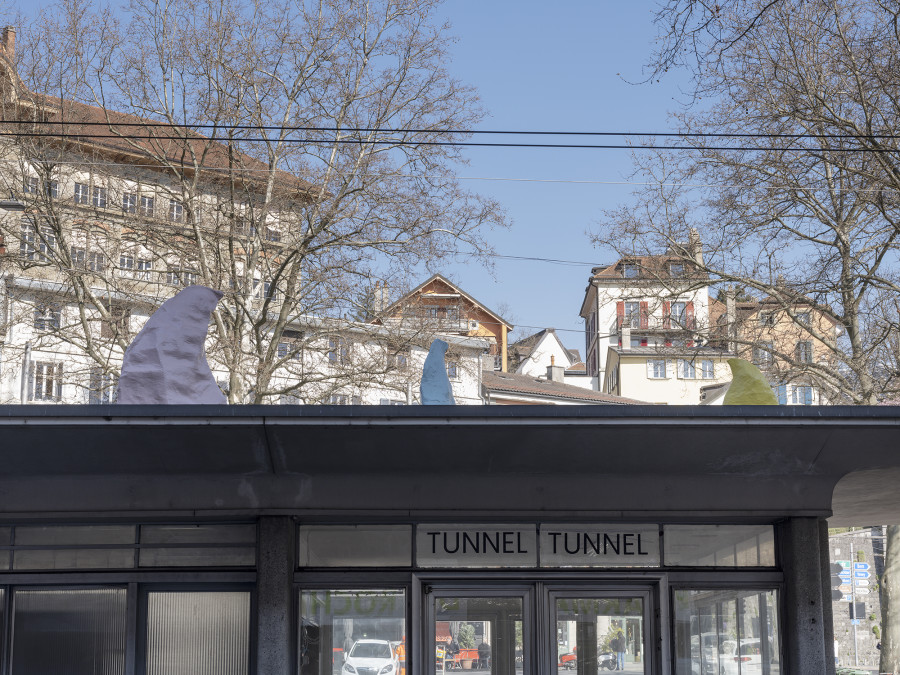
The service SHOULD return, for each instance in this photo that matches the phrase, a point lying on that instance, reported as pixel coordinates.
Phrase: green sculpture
(748, 386)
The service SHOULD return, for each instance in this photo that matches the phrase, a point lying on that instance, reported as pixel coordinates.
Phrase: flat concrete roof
(658, 463)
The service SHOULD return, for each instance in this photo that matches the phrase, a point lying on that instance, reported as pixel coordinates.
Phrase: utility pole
(855, 621)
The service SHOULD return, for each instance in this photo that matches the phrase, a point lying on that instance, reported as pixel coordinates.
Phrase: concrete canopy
(636, 462)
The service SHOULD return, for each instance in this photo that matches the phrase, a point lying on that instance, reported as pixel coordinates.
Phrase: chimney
(731, 319)
(626, 338)
(555, 373)
(9, 41)
(379, 297)
(695, 246)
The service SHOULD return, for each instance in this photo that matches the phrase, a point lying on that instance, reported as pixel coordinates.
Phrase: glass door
(596, 631)
(479, 632)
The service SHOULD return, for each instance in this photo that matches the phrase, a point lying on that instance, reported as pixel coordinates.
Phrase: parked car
(568, 661)
(371, 657)
(746, 658)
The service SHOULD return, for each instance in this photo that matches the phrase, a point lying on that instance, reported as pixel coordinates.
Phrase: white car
(747, 659)
(371, 657)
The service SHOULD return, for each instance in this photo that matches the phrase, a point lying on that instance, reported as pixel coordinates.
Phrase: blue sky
(553, 66)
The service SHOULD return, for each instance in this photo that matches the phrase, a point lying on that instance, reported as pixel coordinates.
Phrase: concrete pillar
(274, 585)
(807, 635)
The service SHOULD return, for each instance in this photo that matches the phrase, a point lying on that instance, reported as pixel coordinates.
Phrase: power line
(466, 132)
(412, 143)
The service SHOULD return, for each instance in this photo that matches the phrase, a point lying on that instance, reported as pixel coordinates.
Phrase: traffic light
(836, 582)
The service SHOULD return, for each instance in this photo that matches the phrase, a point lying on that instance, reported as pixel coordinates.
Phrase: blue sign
(854, 622)
(860, 566)
(845, 575)
(860, 575)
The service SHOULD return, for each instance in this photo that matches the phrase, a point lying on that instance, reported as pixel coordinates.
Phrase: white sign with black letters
(476, 545)
(592, 545)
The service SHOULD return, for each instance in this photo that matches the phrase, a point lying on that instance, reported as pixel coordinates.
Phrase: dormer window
(676, 270)
(630, 270)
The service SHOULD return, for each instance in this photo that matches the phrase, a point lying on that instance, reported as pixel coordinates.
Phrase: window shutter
(668, 342)
(645, 315)
(57, 394)
(649, 369)
(667, 310)
(782, 394)
(689, 316)
(689, 343)
(643, 342)
(620, 315)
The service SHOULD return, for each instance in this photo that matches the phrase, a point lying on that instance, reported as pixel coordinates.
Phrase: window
(762, 354)
(686, 370)
(129, 202)
(180, 277)
(44, 381)
(82, 193)
(290, 345)
(453, 370)
(676, 269)
(102, 388)
(118, 323)
(678, 314)
(143, 268)
(767, 318)
(390, 401)
(282, 350)
(47, 317)
(35, 245)
(398, 360)
(79, 258)
(176, 211)
(146, 205)
(338, 352)
(707, 369)
(96, 262)
(289, 399)
(803, 318)
(632, 315)
(638, 342)
(31, 185)
(344, 399)
(630, 271)
(656, 369)
(802, 395)
(804, 351)
(53, 189)
(272, 235)
(432, 311)
(126, 264)
(99, 198)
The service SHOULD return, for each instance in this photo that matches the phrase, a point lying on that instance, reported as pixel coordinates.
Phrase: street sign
(846, 574)
(855, 622)
(843, 563)
(860, 575)
(860, 566)
(862, 591)
(846, 590)
(861, 582)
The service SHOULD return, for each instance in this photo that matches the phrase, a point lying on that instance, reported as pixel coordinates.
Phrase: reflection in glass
(353, 632)
(597, 634)
(726, 632)
(198, 633)
(719, 545)
(480, 635)
(72, 631)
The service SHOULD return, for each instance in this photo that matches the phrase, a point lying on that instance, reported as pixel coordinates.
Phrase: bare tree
(283, 152)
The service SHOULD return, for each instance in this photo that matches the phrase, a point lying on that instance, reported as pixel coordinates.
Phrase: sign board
(861, 582)
(860, 575)
(846, 590)
(599, 545)
(862, 591)
(855, 622)
(846, 564)
(476, 545)
(860, 566)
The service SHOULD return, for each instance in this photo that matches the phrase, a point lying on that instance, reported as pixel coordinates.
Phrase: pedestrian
(617, 644)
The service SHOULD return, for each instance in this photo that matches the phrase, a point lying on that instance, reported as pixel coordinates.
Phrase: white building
(534, 354)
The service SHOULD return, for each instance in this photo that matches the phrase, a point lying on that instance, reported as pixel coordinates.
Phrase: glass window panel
(73, 558)
(5, 557)
(72, 631)
(594, 634)
(355, 546)
(719, 545)
(198, 633)
(347, 632)
(726, 632)
(198, 557)
(198, 534)
(5, 534)
(74, 535)
(480, 633)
